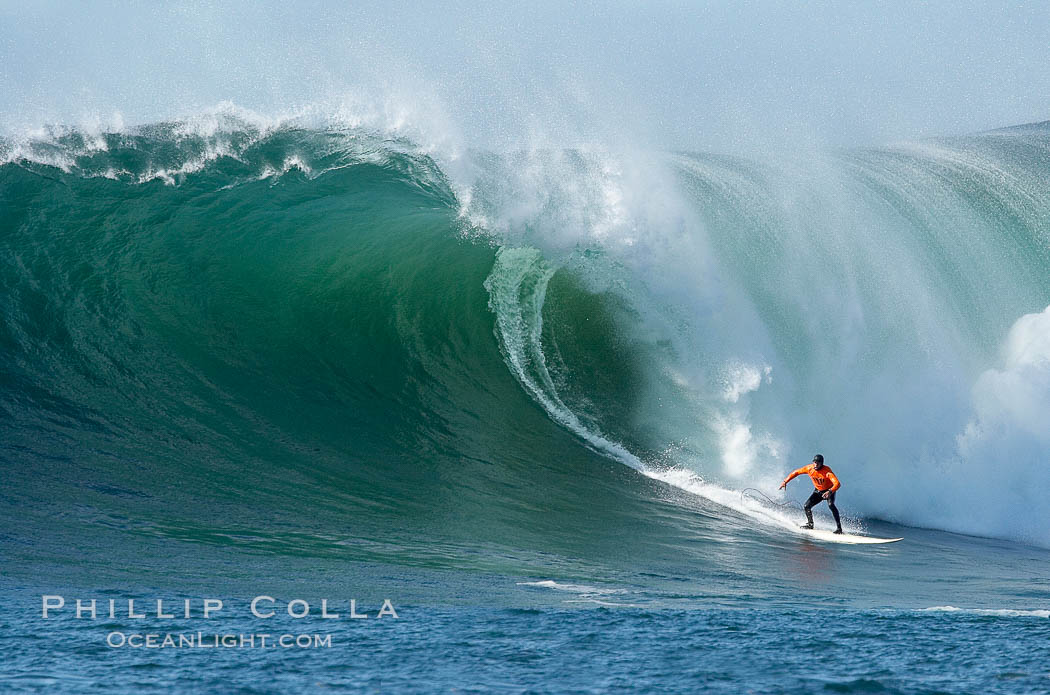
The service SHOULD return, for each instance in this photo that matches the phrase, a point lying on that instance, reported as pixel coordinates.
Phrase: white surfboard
(848, 538)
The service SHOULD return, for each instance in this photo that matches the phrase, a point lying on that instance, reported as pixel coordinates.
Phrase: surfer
(826, 484)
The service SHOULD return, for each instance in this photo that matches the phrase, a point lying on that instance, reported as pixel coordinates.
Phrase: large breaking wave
(443, 336)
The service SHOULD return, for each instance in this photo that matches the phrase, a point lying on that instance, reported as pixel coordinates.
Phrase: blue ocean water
(526, 397)
(553, 649)
(817, 629)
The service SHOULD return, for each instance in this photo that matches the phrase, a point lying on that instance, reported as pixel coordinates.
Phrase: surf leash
(754, 494)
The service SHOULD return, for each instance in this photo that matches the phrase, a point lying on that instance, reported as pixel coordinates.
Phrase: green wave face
(324, 342)
(285, 344)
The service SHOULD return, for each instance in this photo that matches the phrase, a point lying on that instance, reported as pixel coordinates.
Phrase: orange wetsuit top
(823, 480)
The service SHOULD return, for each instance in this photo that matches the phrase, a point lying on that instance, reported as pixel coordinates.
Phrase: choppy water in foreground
(550, 638)
(689, 612)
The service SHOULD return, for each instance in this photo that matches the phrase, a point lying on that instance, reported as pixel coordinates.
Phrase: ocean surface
(539, 400)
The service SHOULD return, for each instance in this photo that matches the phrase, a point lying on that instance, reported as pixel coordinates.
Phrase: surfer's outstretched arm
(793, 475)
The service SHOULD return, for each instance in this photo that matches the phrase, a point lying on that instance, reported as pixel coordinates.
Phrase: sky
(677, 75)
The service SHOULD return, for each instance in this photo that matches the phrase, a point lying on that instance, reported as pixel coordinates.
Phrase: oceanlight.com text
(200, 640)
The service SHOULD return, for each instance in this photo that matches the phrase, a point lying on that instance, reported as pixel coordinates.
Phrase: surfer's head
(818, 460)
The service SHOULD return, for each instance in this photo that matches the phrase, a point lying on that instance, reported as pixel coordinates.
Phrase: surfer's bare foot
(807, 526)
(838, 530)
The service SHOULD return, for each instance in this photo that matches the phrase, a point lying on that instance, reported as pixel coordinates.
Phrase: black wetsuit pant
(816, 498)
